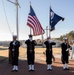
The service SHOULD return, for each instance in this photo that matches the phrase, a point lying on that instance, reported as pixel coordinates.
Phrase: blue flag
(54, 19)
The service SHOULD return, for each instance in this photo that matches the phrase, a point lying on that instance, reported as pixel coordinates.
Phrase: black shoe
(67, 68)
(16, 70)
(49, 69)
(64, 69)
(32, 70)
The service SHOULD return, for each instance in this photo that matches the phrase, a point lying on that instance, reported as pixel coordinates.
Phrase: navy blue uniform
(14, 51)
(30, 51)
(49, 53)
(65, 53)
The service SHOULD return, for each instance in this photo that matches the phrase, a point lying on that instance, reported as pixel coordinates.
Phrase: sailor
(49, 53)
(65, 53)
(30, 52)
(14, 47)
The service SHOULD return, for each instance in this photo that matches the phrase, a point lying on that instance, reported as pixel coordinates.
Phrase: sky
(64, 8)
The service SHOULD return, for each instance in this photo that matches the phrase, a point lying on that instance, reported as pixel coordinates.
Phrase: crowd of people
(14, 53)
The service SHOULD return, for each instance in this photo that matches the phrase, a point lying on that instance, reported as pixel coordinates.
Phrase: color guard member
(14, 47)
(49, 53)
(65, 53)
(30, 52)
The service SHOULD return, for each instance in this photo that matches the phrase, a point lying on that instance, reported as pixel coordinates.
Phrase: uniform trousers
(30, 57)
(15, 60)
(48, 57)
(65, 58)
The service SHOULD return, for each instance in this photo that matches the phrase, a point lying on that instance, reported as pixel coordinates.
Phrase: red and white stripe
(34, 23)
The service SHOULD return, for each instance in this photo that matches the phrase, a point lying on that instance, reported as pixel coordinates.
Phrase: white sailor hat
(48, 37)
(65, 38)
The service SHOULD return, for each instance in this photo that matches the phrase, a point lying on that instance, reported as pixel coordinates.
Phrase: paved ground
(40, 64)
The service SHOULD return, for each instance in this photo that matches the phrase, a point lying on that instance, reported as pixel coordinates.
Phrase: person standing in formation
(30, 52)
(65, 53)
(14, 50)
(49, 53)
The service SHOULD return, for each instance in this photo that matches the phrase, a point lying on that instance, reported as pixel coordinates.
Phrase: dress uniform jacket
(30, 51)
(14, 49)
(65, 52)
(49, 54)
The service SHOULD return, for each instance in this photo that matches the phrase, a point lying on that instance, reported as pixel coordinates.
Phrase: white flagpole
(17, 19)
(47, 31)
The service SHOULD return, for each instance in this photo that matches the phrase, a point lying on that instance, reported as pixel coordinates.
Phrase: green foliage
(69, 35)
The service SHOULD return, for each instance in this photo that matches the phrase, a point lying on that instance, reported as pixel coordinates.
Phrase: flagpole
(17, 19)
(30, 31)
(30, 27)
(46, 31)
(17, 27)
(49, 23)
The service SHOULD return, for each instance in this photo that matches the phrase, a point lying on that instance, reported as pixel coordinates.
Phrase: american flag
(34, 23)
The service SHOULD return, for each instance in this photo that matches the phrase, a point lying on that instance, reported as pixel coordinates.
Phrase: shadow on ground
(40, 69)
(2, 59)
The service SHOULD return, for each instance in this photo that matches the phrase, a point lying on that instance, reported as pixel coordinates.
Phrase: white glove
(13, 50)
(67, 49)
(49, 41)
(14, 43)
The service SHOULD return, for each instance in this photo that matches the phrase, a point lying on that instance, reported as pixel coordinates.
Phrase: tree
(69, 35)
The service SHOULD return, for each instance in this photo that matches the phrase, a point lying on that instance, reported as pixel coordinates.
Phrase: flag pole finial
(30, 2)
